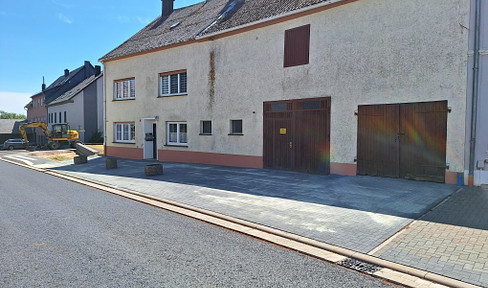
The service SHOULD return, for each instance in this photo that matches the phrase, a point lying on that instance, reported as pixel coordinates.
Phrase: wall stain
(211, 79)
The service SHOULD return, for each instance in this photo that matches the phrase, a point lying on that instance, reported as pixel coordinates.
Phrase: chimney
(66, 72)
(43, 84)
(97, 70)
(88, 69)
(167, 7)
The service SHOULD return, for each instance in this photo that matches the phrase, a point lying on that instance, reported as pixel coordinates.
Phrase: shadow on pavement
(396, 197)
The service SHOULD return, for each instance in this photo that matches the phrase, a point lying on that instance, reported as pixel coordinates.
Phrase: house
(365, 87)
(9, 128)
(476, 152)
(81, 107)
(37, 108)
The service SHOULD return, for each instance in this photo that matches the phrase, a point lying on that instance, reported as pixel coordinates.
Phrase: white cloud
(64, 18)
(62, 4)
(14, 102)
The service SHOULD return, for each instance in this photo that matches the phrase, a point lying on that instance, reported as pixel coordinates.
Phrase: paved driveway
(357, 213)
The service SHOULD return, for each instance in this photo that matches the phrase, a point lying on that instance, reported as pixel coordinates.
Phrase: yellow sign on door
(282, 131)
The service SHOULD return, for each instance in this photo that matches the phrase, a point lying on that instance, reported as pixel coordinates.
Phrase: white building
(369, 87)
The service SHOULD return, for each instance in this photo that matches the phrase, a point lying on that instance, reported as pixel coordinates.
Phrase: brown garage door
(296, 135)
(403, 140)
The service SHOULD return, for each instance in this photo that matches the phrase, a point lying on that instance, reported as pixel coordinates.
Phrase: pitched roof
(76, 90)
(196, 21)
(9, 126)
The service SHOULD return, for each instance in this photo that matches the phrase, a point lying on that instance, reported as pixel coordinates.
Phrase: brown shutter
(297, 46)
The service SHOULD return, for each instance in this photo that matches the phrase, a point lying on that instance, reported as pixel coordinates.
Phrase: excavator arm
(41, 125)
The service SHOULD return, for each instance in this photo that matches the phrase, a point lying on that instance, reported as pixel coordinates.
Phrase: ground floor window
(206, 127)
(236, 127)
(177, 133)
(125, 132)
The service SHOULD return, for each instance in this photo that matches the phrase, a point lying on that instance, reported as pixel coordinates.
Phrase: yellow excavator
(60, 134)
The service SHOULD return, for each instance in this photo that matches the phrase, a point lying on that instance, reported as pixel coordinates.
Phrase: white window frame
(168, 75)
(202, 132)
(119, 89)
(178, 136)
(126, 129)
(232, 132)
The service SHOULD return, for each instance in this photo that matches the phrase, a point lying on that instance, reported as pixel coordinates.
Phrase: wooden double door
(403, 140)
(296, 135)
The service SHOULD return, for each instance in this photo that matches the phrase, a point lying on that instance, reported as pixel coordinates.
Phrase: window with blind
(297, 46)
(173, 83)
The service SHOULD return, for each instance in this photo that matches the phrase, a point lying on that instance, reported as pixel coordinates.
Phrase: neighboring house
(477, 162)
(9, 128)
(366, 87)
(81, 106)
(37, 108)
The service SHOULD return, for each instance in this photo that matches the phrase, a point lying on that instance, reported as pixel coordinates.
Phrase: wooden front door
(403, 140)
(296, 135)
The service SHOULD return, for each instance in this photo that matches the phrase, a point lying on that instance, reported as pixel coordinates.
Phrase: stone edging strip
(390, 271)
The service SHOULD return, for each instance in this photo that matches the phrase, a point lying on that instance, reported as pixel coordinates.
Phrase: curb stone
(390, 271)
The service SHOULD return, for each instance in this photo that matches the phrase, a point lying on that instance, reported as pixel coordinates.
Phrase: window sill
(127, 99)
(172, 95)
(236, 134)
(176, 145)
(118, 142)
(205, 134)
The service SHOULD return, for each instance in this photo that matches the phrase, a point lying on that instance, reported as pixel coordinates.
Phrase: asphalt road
(54, 233)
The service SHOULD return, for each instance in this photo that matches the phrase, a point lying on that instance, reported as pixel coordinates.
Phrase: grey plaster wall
(481, 150)
(90, 107)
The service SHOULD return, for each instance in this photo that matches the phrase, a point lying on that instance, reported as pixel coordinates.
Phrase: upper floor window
(173, 83)
(297, 46)
(125, 89)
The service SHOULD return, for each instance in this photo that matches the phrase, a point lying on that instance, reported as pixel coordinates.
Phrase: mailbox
(149, 137)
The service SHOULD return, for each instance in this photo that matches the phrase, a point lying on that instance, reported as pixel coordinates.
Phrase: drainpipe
(474, 100)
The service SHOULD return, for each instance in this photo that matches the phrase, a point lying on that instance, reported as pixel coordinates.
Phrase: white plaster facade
(364, 52)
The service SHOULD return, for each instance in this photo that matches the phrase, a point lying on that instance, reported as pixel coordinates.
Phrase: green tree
(6, 115)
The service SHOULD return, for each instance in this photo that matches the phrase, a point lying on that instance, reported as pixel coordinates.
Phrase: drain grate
(360, 266)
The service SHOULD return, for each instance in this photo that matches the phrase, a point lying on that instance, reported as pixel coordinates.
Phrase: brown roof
(189, 23)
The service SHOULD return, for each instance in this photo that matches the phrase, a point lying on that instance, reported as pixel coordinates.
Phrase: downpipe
(475, 89)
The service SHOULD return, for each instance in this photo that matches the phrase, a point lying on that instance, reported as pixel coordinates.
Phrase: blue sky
(43, 37)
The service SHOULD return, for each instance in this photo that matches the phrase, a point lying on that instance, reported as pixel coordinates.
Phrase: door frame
(148, 146)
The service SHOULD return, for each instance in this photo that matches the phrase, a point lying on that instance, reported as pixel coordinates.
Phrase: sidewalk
(385, 218)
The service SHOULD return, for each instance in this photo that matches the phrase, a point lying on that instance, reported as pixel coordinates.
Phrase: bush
(97, 137)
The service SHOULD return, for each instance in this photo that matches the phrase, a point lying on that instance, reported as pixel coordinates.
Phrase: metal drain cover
(360, 266)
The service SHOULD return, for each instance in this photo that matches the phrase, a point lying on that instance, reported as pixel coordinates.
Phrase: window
(205, 127)
(173, 83)
(236, 127)
(60, 121)
(125, 89)
(125, 132)
(177, 133)
(65, 120)
(297, 46)
(55, 120)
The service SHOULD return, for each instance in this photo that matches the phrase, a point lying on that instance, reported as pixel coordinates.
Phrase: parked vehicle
(12, 144)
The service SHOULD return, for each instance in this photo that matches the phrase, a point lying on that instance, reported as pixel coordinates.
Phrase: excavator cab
(60, 131)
